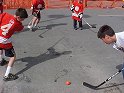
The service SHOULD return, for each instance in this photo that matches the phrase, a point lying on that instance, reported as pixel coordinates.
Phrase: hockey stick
(123, 71)
(95, 87)
(89, 24)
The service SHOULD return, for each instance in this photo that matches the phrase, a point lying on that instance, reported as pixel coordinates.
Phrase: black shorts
(9, 52)
(36, 14)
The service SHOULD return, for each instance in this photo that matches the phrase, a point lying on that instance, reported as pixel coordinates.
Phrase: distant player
(77, 13)
(8, 25)
(1, 6)
(37, 5)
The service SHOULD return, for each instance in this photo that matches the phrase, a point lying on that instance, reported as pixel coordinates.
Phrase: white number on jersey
(6, 27)
(76, 8)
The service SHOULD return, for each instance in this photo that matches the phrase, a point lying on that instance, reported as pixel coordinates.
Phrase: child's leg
(2, 60)
(10, 64)
(1, 52)
(36, 22)
(80, 24)
(11, 54)
(31, 24)
(33, 21)
(75, 24)
(38, 19)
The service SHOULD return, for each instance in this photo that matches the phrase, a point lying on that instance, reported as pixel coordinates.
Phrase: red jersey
(8, 25)
(37, 4)
(78, 8)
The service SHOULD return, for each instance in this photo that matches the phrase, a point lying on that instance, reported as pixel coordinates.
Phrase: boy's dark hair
(21, 12)
(105, 30)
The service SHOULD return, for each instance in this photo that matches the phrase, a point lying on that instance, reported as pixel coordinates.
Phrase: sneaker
(36, 26)
(30, 27)
(10, 77)
(81, 28)
(3, 62)
(75, 28)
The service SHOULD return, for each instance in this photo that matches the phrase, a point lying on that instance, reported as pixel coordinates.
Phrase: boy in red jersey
(37, 5)
(8, 25)
(1, 6)
(77, 13)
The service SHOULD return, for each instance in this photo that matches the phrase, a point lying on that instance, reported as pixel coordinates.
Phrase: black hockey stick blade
(89, 85)
(95, 87)
(93, 26)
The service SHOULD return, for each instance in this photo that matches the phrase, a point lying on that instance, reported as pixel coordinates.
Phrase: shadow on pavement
(32, 61)
(47, 27)
(85, 26)
(55, 17)
(114, 85)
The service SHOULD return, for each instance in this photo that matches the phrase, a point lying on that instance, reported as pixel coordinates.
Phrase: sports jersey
(119, 44)
(8, 25)
(38, 4)
(77, 10)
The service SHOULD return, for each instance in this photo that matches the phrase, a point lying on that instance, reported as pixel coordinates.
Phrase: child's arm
(19, 28)
(81, 12)
(72, 8)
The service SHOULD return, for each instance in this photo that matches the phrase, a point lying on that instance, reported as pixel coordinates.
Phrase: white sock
(35, 25)
(7, 71)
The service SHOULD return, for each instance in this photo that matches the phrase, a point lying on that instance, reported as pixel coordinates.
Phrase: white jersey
(119, 44)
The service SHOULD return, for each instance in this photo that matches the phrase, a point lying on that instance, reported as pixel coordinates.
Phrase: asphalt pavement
(56, 53)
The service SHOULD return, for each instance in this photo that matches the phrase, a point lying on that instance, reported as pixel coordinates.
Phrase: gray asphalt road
(55, 53)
